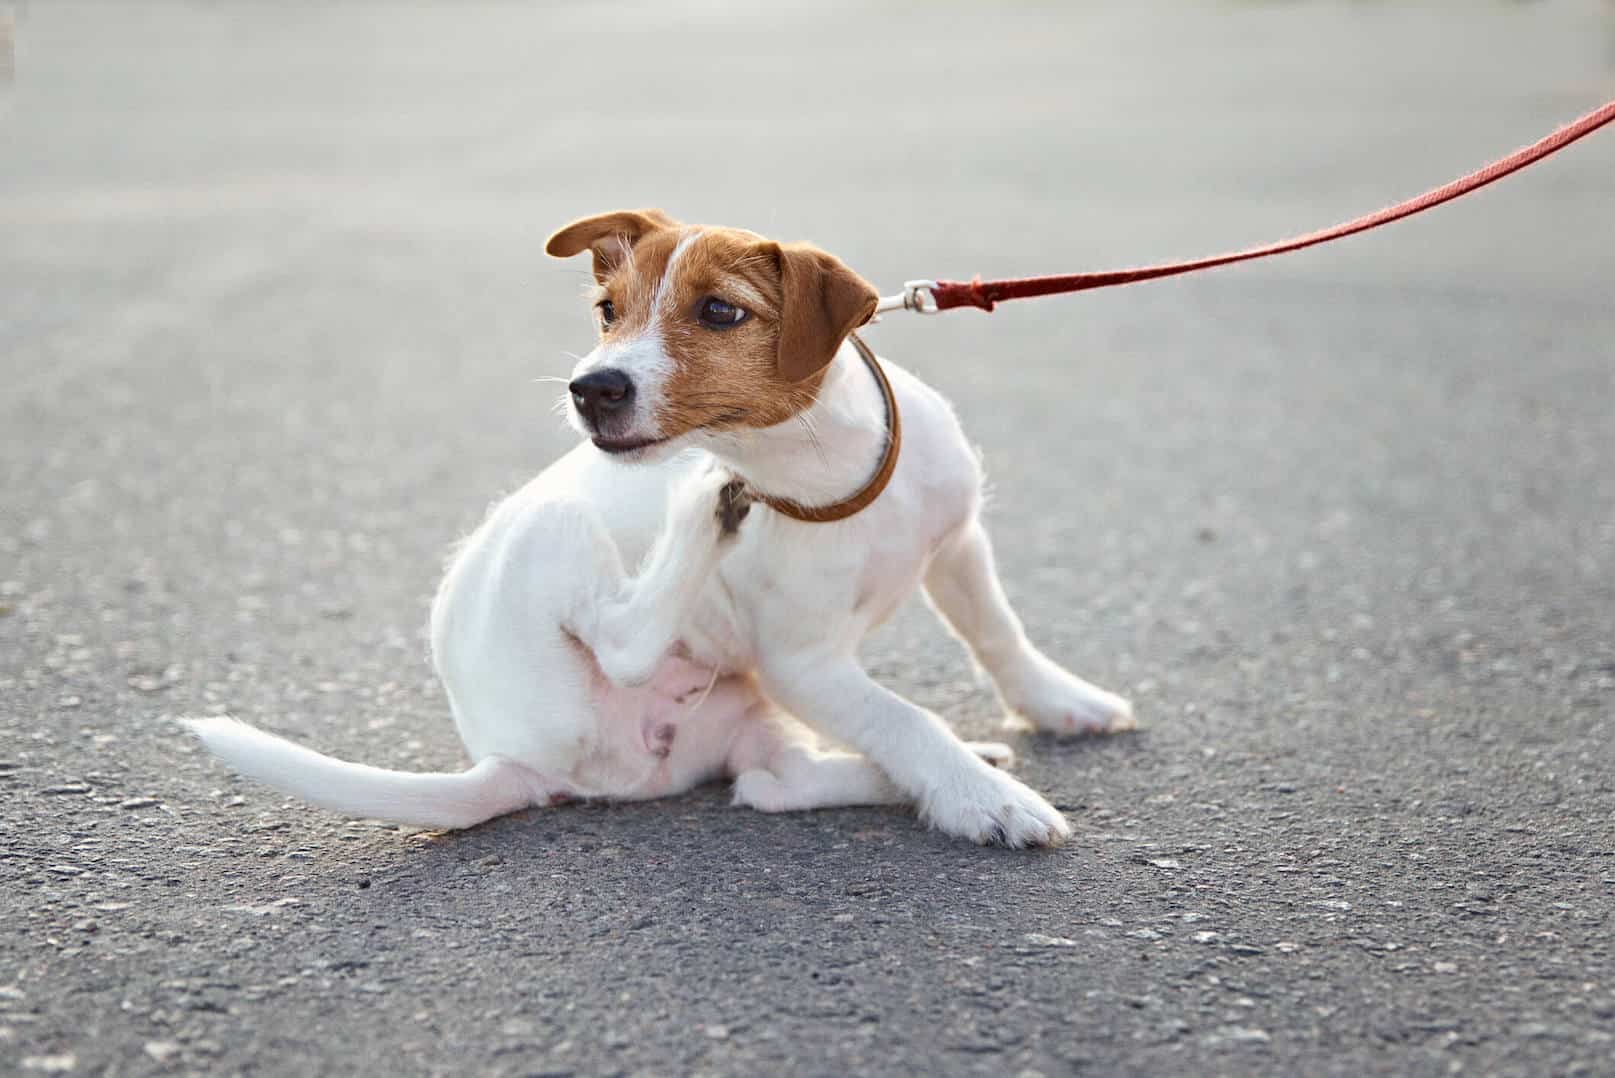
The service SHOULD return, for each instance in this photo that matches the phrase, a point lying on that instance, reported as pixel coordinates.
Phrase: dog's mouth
(616, 446)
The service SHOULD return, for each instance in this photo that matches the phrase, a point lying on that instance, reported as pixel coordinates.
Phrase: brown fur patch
(726, 378)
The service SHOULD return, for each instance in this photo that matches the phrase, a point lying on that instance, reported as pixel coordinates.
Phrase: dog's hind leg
(963, 586)
(804, 778)
(632, 625)
(780, 769)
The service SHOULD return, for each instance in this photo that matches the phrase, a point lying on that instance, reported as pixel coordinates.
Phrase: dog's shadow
(651, 860)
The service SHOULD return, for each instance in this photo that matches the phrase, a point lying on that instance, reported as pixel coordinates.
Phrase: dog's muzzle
(604, 402)
(603, 398)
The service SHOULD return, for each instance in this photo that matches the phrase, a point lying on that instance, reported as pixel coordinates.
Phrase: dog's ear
(609, 235)
(821, 302)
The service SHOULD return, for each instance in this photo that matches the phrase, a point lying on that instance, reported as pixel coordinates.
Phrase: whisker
(813, 437)
(723, 437)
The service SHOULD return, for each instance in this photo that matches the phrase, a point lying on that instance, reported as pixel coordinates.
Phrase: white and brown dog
(724, 378)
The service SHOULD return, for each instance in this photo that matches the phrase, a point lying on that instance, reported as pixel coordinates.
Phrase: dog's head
(702, 330)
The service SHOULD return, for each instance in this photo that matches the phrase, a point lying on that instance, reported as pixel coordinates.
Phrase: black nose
(600, 394)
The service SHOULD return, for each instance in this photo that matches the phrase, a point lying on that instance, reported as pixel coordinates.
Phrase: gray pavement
(272, 304)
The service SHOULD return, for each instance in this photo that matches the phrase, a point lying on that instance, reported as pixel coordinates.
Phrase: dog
(725, 402)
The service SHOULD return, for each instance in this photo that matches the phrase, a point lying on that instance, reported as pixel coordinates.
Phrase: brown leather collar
(823, 514)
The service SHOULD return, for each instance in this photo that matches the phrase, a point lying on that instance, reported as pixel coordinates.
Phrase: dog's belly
(657, 739)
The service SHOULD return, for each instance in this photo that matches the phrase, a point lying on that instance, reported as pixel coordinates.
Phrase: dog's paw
(993, 809)
(734, 502)
(760, 789)
(708, 505)
(996, 753)
(1059, 702)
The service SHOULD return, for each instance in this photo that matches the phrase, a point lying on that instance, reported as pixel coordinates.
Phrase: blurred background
(263, 258)
(273, 307)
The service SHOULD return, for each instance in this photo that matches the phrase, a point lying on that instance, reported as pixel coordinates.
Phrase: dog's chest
(888, 577)
(789, 586)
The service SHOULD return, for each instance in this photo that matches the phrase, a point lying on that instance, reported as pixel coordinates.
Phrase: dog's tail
(441, 800)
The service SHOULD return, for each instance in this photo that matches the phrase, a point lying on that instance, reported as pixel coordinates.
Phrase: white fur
(643, 358)
(558, 667)
(661, 305)
(493, 787)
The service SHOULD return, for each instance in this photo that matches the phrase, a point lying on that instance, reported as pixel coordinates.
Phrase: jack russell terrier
(726, 386)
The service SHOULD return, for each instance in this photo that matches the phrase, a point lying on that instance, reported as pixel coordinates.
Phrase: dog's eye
(716, 314)
(608, 312)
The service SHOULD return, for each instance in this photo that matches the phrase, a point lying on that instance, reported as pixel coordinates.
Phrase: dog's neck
(824, 453)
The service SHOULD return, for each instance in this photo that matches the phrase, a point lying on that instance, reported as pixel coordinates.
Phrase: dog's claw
(734, 502)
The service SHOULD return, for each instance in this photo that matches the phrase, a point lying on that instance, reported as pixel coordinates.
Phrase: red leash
(932, 296)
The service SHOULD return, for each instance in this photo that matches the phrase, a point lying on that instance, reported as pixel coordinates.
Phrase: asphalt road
(272, 307)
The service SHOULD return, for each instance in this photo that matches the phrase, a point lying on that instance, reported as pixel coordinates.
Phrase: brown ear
(822, 302)
(609, 235)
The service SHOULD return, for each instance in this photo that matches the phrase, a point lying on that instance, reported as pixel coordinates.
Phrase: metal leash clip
(916, 296)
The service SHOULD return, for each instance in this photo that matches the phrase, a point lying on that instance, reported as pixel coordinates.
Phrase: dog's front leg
(963, 585)
(956, 791)
(633, 626)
